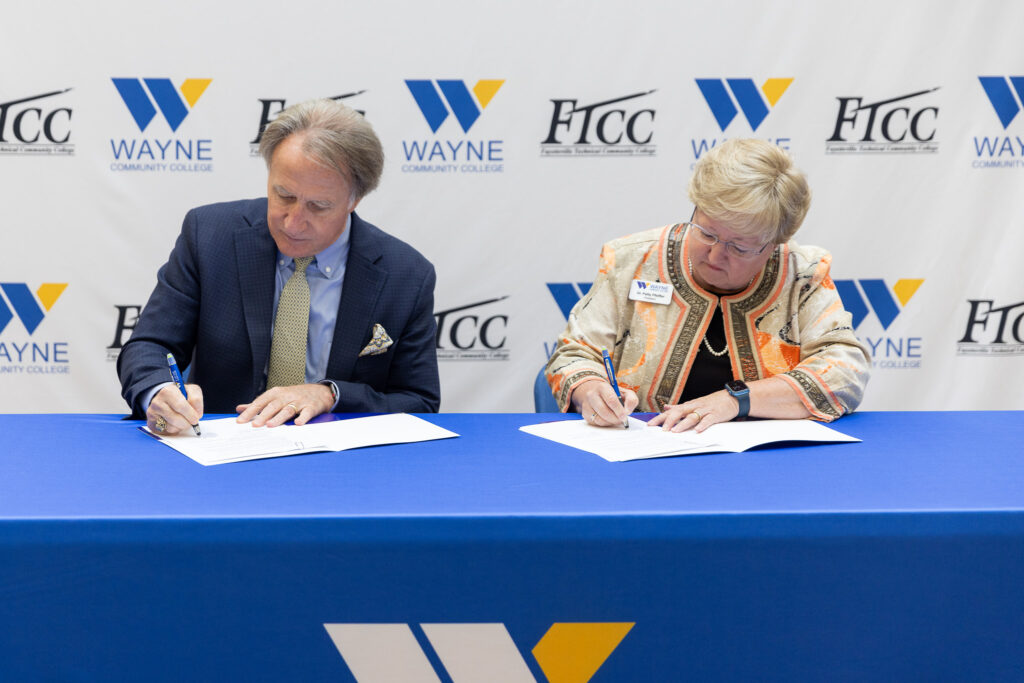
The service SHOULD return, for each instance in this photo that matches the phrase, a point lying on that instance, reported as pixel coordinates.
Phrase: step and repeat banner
(519, 137)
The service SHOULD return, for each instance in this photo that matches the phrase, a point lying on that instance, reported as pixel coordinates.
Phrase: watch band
(741, 392)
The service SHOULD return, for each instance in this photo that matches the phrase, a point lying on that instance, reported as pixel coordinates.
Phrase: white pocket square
(379, 343)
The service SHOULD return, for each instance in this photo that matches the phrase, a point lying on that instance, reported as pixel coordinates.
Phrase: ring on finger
(160, 424)
(699, 415)
(293, 407)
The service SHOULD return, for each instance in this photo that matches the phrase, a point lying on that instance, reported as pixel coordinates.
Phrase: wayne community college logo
(1001, 150)
(32, 357)
(143, 97)
(727, 97)
(877, 293)
(1001, 93)
(437, 100)
(432, 100)
(140, 99)
(566, 295)
(567, 653)
(723, 96)
(887, 351)
(29, 309)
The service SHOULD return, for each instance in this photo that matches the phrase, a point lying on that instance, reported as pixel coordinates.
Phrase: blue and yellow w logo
(460, 101)
(1001, 96)
(567, 294)
(570, 652)
(30, 310)
(716, 93)
(164, 94)
(878, 295)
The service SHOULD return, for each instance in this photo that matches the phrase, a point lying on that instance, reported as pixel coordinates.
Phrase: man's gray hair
(335, 136)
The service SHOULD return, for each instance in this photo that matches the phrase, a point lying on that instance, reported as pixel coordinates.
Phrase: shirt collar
(329, 263)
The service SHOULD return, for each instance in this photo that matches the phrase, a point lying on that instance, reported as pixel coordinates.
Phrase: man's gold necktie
(291, 327)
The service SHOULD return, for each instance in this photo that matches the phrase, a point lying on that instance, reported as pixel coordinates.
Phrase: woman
(725, 298)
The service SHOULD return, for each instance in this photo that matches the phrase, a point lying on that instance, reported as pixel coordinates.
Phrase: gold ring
(161, 423)
(292, 406)
(698, 414)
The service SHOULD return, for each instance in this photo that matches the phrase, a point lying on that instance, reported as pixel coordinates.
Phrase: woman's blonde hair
(753, 186)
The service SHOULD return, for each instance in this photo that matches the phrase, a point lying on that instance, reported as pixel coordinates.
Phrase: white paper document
(642, 441)
(225, 440)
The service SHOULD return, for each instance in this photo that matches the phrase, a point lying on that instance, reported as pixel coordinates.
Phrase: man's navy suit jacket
(213, 306)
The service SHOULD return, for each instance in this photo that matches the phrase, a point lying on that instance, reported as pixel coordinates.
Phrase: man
(244, 277)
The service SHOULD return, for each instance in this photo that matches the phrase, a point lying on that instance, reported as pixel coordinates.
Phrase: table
(899, 558)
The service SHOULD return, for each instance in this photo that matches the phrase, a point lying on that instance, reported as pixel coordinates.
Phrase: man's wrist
(148, 397)
(333, 388)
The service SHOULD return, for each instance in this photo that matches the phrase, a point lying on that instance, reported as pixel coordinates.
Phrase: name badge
(651, 292)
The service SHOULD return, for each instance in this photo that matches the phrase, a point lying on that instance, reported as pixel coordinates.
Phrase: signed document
(225, 440)
(641, 441)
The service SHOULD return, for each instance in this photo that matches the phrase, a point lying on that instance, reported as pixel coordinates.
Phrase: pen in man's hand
(611, 379)
(176, 378)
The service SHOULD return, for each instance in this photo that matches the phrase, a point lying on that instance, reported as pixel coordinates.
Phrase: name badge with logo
(651, 292)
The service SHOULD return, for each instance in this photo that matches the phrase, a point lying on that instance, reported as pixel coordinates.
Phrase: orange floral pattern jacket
(789, 322)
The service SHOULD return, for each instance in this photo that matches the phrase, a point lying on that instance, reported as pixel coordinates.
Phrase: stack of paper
(225, 440)
(643, 441)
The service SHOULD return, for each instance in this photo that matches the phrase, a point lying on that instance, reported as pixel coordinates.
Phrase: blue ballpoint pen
(176, 378)
(611, 379)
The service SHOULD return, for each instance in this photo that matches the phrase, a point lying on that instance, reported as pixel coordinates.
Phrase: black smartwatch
(741, 392)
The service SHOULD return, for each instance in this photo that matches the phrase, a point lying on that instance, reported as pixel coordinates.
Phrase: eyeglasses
(705, 236)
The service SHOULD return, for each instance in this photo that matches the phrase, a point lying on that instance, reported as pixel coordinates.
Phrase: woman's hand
(597, 403)
(771, 397)
(698, 414)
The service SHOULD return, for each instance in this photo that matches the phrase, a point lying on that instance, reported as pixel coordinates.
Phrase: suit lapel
(255, 253)
(364, 281)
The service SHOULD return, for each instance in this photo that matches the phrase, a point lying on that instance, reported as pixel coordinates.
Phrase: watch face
(736, 386)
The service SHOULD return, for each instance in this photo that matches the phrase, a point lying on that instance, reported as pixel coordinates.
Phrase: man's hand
(597, 402)
(276, 406)
(169, 413)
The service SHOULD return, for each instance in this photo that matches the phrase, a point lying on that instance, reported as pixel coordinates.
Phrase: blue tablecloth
(899, 558)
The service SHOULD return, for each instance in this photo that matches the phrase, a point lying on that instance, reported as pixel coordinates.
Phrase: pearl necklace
(707, 345)
(716, 354)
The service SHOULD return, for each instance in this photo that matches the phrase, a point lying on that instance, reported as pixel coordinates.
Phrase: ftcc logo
(896, 125)
(886, 351)
(436, 101)
(37, 125)
(621, 127)
(568, 652)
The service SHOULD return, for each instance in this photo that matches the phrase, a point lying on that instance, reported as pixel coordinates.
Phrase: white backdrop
(939, 202)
